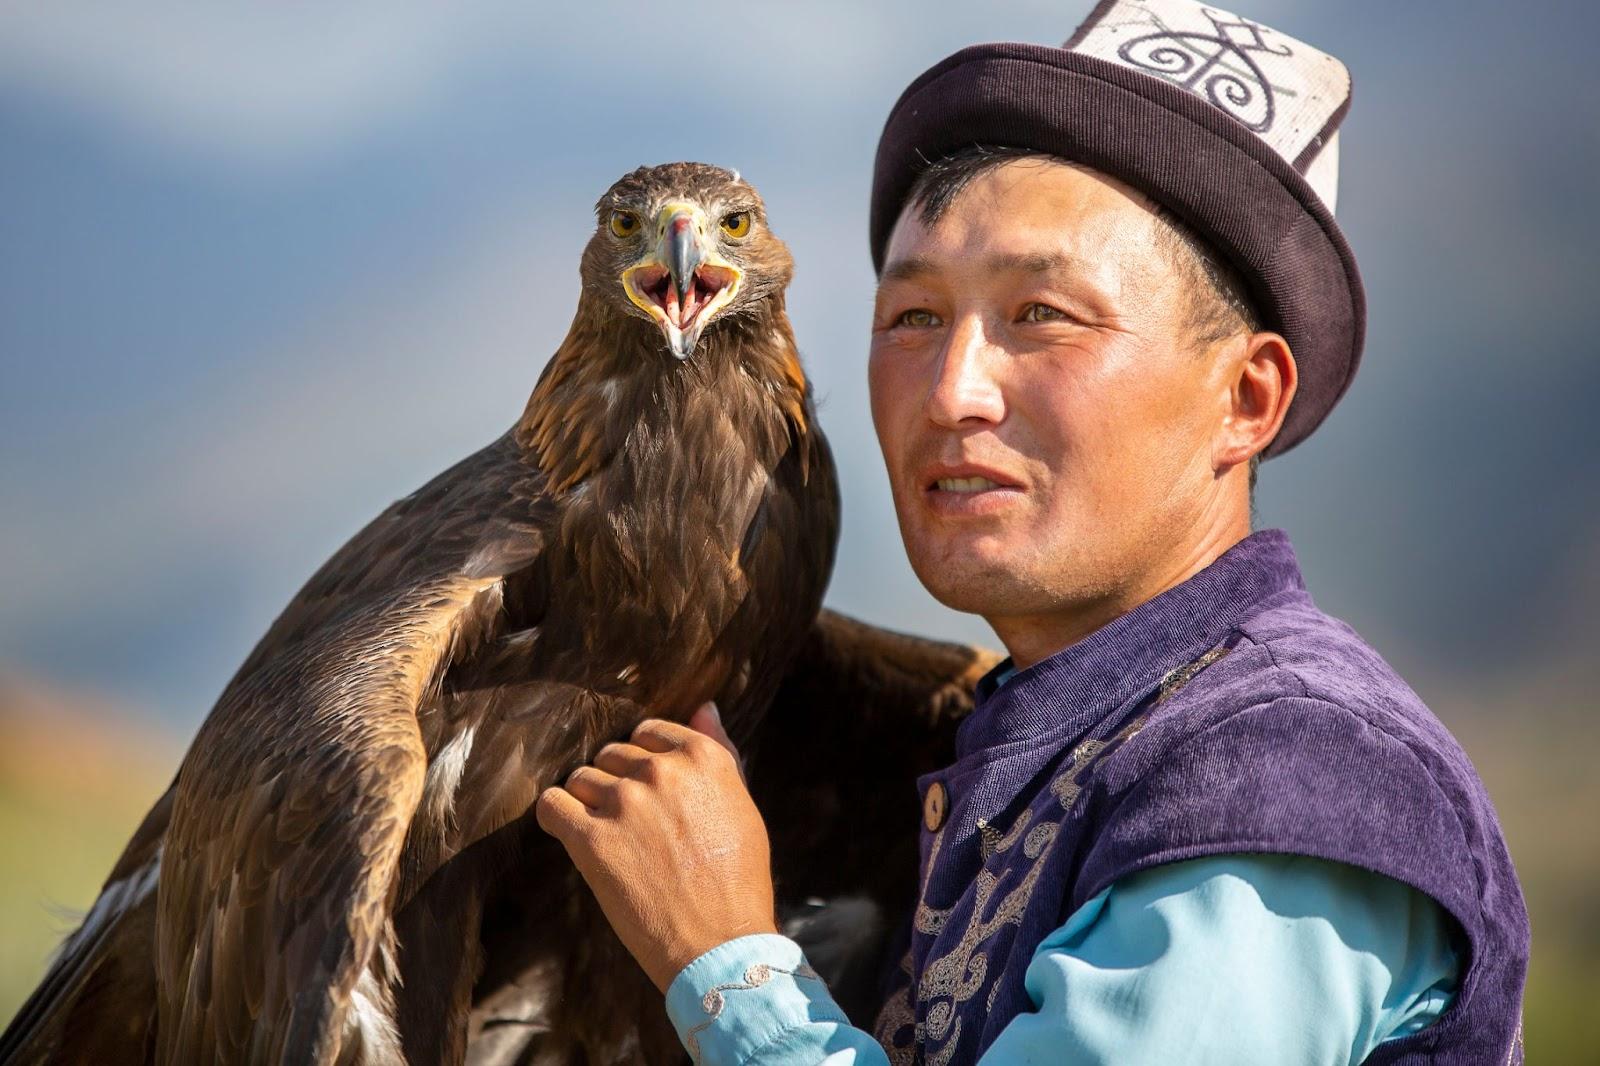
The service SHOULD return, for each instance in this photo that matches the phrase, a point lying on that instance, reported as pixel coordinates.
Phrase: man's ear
(1261, 383)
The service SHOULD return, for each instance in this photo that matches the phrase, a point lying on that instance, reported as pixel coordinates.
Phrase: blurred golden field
(76, 776)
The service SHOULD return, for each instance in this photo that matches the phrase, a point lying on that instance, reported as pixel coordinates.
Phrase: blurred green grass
(1534, 745)
(76, 777)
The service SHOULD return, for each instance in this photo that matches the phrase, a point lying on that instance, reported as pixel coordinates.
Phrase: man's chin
(969, 600)
(973, 586)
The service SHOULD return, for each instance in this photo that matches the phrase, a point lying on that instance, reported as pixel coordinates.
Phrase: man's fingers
(560, 813)
(593, 787)
(708, 720)
(659, 735)
(623, 760)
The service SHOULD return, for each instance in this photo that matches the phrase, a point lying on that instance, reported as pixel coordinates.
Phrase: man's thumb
(708, 720)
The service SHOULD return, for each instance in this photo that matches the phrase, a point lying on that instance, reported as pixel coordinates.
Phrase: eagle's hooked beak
(683, 252)
(684, 281)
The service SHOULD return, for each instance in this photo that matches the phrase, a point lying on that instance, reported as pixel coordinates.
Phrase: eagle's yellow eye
(624, 223)
(736, 224)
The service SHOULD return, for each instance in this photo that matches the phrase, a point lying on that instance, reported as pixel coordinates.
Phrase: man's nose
(964, 390)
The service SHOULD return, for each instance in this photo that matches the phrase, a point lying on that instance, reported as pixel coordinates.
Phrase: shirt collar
(1084, 681)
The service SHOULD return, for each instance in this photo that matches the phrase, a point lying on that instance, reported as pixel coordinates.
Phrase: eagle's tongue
(681, 312)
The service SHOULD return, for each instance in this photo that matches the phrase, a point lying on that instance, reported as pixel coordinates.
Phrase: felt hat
(1226, 122)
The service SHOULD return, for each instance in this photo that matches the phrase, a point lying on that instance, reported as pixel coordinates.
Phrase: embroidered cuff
(737, 997)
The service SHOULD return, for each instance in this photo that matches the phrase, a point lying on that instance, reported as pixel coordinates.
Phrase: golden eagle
(342, 870)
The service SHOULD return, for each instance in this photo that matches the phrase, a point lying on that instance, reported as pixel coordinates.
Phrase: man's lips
(967, 490)
(967, 479)
(965, 484)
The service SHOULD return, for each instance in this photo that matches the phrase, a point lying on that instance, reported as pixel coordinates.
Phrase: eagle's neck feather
(612, 379)
(660, 473)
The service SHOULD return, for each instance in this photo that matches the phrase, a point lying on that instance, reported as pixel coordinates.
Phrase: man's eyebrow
(908, 269)
(916, 266)
(1033, 262)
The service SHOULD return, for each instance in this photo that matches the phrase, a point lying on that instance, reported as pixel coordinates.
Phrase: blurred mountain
(241, 312)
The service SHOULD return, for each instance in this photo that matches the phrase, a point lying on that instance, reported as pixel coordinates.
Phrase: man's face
(1043, 413)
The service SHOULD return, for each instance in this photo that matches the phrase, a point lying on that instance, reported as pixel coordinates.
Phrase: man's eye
(1041, 313)
(918, 318)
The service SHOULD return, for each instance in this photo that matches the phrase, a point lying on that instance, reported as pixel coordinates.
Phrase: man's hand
(667, 836)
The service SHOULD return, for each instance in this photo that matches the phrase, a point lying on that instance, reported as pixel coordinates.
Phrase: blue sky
(265, 269)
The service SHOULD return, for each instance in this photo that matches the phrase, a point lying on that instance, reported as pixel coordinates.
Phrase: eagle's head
(685, 245)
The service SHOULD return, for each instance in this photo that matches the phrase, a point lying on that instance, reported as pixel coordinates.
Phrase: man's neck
(1033, 638)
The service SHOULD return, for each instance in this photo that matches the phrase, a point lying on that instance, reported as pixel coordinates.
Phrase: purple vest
(1227, 714)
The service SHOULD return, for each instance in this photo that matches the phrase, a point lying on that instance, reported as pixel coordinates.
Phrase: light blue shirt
(1235, 959)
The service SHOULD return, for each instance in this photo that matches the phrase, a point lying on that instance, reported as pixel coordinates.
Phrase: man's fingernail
(711, 705)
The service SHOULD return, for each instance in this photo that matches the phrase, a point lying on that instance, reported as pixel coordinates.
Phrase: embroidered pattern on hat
(1286, 92)
(1218, 66)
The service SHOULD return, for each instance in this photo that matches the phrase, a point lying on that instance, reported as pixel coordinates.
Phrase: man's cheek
(877, 388)
(890, 424)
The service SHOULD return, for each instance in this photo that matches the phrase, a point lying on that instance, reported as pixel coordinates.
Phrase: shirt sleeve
(1237, 959)
(754, 1001)
(1234, 959)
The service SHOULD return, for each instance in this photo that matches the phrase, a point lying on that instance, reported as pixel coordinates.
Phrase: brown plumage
(344, 850)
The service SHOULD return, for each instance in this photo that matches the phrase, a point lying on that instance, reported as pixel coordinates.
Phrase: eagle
(346, 870)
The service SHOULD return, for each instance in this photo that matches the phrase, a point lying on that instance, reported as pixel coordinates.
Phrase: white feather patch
(444, 775)
(371, 1015)
(118, 898)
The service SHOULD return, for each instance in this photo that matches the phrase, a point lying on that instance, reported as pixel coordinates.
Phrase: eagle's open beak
(684, 281)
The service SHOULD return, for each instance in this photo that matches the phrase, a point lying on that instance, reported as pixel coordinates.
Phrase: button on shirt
(935, 806)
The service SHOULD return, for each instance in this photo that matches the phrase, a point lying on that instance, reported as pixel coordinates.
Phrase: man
(1192, 819)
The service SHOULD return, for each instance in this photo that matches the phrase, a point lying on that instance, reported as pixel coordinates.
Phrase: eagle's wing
(861, 713)
(273, 936)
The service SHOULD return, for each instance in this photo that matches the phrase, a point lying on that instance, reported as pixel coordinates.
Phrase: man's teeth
(966, 484)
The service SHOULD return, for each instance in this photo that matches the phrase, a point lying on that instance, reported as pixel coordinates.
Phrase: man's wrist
(673, 961)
